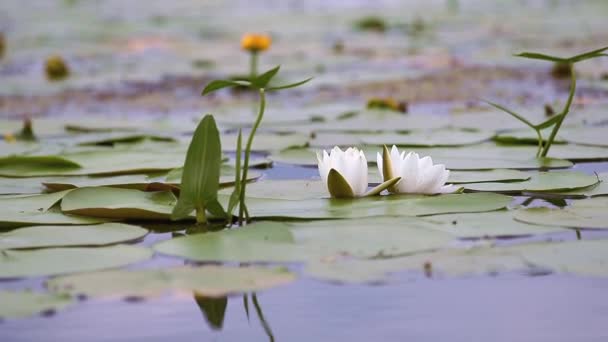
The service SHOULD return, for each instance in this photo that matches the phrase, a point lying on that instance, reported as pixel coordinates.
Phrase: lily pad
(584, 258)
(454, 262)
(290, 242)
(588, 213)
(600, 189)
(447, 137)
(593, 136)
(298, 189)
(65, 236)
(554, 181)
(211, 281)
(500, 175)
(267, 142)
(118, 203)
(19, 304)
(491, 224)
(375, 206)
(17, 211)
(52, 261)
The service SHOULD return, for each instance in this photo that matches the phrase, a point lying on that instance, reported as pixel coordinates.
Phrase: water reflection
(214, 311)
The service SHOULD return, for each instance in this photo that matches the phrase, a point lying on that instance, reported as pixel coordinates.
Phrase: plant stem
(201, 217)
(563, 114)
(253, 65)
(258, 120)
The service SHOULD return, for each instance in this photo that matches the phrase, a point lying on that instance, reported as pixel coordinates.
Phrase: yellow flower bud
(387, 103)
(255, 42)
(10, 138)
(56, 68)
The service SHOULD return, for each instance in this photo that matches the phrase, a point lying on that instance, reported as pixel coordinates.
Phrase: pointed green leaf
(535, 55)
(386, 185)
(550, 122)
(291, 85)
(588, 55)
(234, 197)
(263, 80)
(220, 84)
(387, 165)
(201, 175)
(338, 186)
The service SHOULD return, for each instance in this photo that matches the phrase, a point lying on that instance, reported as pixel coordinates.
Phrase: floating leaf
(540, 182)
(588, 213)
(119, 203)
(19, 304)
(64, 236)
(52, 261)
(210, 281)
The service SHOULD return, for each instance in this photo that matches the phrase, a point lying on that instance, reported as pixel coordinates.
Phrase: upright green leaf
(263, 80)
(201, 174)
(234, 198)
(292, 85)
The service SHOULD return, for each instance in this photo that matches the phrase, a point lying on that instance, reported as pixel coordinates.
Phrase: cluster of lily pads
(76, 195)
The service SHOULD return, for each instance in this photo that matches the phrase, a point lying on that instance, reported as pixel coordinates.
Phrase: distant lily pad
(499, 175)
(554, 181)
(588, 213)
(593, 136)
(491, 224)
(293, 189)
(64, 236)
(211, 281)
(267, 142)
(52, 261)
(19, 304)
(446, 137)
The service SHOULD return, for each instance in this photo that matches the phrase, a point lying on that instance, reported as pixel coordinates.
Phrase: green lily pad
(20, 304)
(592, 136)
(15, 186)
(211, 281)
(500, 175)
(52, 261)
(18, 166)
(17, 211)
(119, 203)
(491, 224)
(65, 236)
(540, 182)
(112, 138)
(583, 258)
(267, 142)
(446, 137)
(290, 242)
(588, 213)
(454, 262)
(374, 206)
(297, 189)
(600, 189)
(526, 137)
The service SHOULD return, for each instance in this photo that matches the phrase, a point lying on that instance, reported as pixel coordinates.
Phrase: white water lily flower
(344, 173)
(418, 175)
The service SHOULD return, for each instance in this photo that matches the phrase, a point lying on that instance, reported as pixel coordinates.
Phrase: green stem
(258, 310)
(540, 143)
(201, 217)
(563, 114)
(253, 65)
(258, 120)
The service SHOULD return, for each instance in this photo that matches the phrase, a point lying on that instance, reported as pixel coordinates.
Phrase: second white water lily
(418, 175)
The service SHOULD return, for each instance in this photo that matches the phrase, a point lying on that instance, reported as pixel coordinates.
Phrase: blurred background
(154, 57)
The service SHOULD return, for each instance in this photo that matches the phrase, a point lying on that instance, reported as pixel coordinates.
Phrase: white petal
(427, 186)
(379, 163)
(409, 173)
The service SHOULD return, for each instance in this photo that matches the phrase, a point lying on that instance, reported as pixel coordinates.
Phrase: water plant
(56, 68)
(259, 83)
(418, 175)
(255, 43)
(556, 120)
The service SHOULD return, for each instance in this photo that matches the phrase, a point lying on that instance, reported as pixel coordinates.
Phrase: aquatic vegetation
(418, 175)
(387, 103)
(2, 45)
(255, 43)
(371, 23)
(201, 176)
(344, 172)
(259, 83)
(556, 120)
(56, 68)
